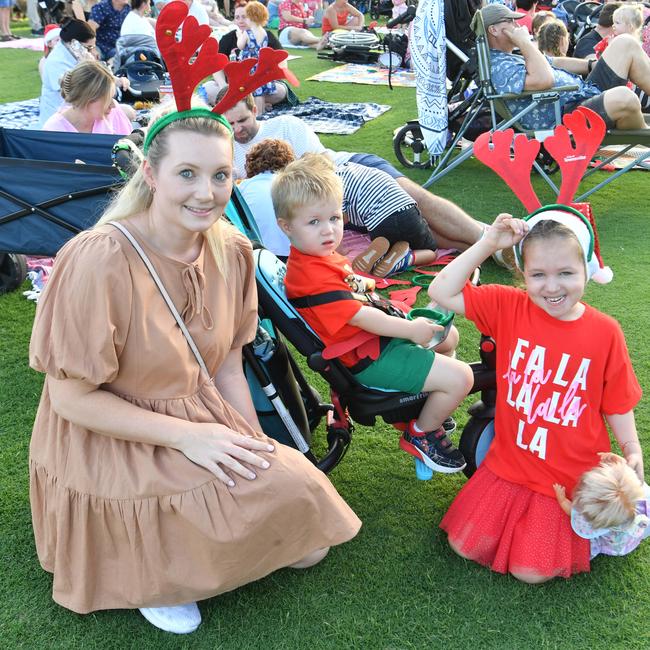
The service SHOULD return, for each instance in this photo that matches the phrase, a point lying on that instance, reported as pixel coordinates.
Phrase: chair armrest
(541, 94)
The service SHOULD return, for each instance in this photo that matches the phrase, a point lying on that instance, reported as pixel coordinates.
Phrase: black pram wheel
(13, 271)
(410, 148)
(475, 441)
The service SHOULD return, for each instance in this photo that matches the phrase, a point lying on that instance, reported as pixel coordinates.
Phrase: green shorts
(402, 366)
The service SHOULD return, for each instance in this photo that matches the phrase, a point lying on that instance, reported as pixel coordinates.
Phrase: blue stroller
(351, 401)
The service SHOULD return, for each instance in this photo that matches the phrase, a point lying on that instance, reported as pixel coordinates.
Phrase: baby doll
(610, 507)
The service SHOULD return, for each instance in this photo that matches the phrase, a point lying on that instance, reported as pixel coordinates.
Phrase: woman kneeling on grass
(152, 484)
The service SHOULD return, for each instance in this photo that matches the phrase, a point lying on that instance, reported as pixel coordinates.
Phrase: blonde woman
(152, 484)
(88, 91)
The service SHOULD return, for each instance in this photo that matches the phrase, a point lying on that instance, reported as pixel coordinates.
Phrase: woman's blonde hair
(257, 13)
(136, 196)
(309, 180)
(606, 495)
(87, 82)
(631, 13)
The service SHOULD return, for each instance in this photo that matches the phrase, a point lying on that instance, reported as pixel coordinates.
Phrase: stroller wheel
(410, 148)
(475, 441)
(13, 271)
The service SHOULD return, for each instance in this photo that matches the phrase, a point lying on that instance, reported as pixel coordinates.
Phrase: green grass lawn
(396, 585)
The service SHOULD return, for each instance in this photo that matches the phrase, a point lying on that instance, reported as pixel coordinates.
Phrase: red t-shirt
(526, 21)
(308, 275)
(555, 381)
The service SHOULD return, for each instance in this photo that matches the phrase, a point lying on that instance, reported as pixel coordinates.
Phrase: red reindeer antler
(241, 82)
(588, 130)
(185, 76)
(514, 170)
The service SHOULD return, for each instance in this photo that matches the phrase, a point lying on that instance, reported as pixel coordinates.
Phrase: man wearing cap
(604, 90)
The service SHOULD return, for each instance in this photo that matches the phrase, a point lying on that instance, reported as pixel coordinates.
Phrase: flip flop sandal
(373, 254)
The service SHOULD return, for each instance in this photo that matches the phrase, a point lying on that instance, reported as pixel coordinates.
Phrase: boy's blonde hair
(606, 495)
(632, 14)
(309, 180)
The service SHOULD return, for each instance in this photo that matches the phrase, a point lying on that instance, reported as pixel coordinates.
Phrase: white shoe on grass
(180, 619)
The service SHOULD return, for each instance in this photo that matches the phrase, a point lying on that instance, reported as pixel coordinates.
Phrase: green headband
(160, 124)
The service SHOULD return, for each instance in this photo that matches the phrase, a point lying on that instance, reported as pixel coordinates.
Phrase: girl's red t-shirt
(555, 381)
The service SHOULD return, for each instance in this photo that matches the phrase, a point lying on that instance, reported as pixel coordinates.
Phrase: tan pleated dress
(123, 524)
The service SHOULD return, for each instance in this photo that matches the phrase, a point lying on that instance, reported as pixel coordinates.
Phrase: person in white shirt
(138, 21)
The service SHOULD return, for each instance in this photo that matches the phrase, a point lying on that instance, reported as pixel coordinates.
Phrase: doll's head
(606, 495)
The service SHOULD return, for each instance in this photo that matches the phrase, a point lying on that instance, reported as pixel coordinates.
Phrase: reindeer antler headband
(572, 146)
(185, 76)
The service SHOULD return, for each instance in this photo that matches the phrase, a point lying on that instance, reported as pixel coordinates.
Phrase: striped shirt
(370, 195)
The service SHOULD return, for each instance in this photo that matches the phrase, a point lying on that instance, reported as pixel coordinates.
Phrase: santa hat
(50, 33)
(581, 228)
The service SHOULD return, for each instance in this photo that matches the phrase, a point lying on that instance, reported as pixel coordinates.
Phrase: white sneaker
(181, 619)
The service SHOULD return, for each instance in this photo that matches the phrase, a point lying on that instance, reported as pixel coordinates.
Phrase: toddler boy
(307, 198)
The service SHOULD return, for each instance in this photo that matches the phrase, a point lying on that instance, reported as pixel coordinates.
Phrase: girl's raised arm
(447, 287)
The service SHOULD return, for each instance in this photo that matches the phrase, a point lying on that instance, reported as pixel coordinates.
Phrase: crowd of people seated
(609, 66)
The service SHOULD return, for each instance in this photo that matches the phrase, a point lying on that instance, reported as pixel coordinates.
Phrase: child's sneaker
(449, 425)
(434, 449)
(373, 254)
(396, 260)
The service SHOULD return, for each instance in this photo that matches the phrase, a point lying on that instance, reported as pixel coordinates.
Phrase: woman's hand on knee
(218, 449)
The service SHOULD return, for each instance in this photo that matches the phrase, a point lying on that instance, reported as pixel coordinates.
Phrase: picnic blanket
(330, 117)
(35, 44)
(373, 75)
(19, 115)
(625, 159)
(322, 116)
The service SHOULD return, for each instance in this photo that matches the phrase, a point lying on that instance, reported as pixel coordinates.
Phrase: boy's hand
(560, 491)
(505, 232)
(423, 330)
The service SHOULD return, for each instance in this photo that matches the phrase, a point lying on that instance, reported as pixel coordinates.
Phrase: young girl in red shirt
(563, 372)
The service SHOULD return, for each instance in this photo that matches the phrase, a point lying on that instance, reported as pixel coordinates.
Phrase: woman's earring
(153, 189)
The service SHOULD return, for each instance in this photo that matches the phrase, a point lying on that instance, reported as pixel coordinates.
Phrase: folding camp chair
(503, 118)
(500, 114)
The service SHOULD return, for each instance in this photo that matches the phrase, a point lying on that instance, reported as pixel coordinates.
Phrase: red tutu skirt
(511, 529)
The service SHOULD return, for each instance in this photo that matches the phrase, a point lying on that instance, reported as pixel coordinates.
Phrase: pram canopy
(46, 197)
